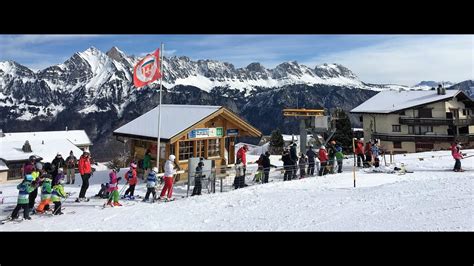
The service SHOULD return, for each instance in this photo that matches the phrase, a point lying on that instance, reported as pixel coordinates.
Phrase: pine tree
(343, 135)
(276, 142)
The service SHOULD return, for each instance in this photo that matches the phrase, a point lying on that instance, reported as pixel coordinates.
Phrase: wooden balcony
(436, 121)
(415, 138)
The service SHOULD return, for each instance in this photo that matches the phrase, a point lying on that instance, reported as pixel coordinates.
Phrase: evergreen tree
(343, 135)
(276, 142)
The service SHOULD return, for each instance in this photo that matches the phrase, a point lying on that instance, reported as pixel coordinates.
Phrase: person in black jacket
(311, 160)
(197, 178)
(287, 164)
(57, 163)
(266, 166)
(294, 158)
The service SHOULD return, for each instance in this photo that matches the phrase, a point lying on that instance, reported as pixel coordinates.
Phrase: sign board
(232, 132)
(206, 133)
(206, 170)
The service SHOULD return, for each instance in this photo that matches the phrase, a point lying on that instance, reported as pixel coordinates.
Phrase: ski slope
(433, 198)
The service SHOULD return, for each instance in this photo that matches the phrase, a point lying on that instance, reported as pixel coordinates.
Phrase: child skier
(25, 188)
(36, 182)
(197, 178)
(104, 191)
(45, 194)
(57, 194)
(150, 184)
(113, 187)
(131, 177)
(339, 158)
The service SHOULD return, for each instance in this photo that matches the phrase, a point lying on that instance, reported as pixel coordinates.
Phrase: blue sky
(398, 59)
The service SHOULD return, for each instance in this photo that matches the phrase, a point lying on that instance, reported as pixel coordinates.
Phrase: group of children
(38, 175)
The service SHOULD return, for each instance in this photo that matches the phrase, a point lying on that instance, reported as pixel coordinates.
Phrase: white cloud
(409, 59)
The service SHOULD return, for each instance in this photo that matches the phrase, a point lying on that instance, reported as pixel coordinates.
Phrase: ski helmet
(155, 169)
(172, 157)
(133, 165)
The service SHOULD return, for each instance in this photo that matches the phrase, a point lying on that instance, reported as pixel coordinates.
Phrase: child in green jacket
(339, 158)
(56, 195)
(25, 188)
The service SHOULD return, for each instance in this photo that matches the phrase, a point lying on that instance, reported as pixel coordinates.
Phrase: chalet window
(186, 150)
(402, 112)
(200, 151)
(213, 148)
(424, 113)
(411, 130)
(429, 129)
(361, 118)
(397, 144)
(396, 128)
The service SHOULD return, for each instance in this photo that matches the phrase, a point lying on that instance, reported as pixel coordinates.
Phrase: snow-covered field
(433, 198)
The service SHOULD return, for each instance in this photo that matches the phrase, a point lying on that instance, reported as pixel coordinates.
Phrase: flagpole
(159, 109)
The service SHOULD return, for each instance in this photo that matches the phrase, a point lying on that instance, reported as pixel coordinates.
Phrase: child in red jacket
(131, 177)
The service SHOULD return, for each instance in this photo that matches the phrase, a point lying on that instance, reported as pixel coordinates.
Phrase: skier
(241, 154)
(239, 174)
(46, 190)
(71, 162)
(266, 166)
(368, 154)
(168, 177)
(197, 178)
(37, 170)
(58, 162)
(113, 187)
(29, 166)
(359, 151)
(339, 158)
(104, 191)
(302, 165)
(259, 173)
(57, 194)
(323, 157)
(332, 156)
(311, 160)
(85, 170)
(25, 188)
(287, 165)
(375, 154)
(294, 158)
(131, 177)
(457, 155)
(151, 184)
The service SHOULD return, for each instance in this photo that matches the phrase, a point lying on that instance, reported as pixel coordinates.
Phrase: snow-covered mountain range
(97, 86)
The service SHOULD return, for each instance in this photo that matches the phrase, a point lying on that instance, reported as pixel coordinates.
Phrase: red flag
(147, 70)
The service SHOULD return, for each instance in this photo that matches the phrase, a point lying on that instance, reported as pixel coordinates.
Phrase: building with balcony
(415, 121)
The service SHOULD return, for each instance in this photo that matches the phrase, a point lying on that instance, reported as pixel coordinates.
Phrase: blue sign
(232, 132)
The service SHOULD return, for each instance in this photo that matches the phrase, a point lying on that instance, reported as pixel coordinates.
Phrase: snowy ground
(433, 198)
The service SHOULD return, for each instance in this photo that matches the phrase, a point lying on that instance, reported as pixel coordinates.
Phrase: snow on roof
(390, 101)
(76, 137)
(11, 150)
(174, 119)
(3, 166)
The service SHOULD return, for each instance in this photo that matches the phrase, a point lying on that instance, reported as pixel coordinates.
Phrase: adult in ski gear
(323, 157)
(375, 154)
(331, 156)
(294, 158)
(339, 158)
(58, 162)
(198, 176)
(113, 187)
(56, 195)
(287, 165)
(242, 155)
(457, 155)
(132, 180)
(302, 162)
(239, 174)
(147, 163)
(71, 162)
(29, 166)
(266, 166)
(311, 160)
(368, 154)
(46, 190)
(359, 152)
(24, 189)
(85, 170)
(151, 184)
(168, 177)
